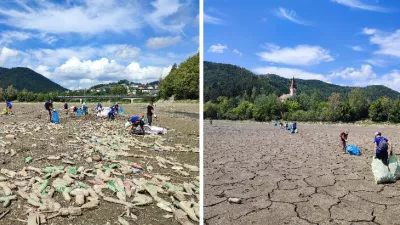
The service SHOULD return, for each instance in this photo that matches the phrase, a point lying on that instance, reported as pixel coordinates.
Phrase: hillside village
(131, 88)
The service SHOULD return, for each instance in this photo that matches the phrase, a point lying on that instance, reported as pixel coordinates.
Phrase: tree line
(182, 82)
(305, 107)
(12, 94)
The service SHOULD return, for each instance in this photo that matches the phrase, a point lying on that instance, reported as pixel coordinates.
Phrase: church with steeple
(292, 92)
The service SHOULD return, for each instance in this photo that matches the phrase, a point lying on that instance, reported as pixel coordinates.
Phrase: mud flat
(165, 162)
(303, 178)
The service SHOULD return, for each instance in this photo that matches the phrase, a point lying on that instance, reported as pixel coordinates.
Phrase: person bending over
(343, 139)
(135, 122)
(49, 107)
(381, 147)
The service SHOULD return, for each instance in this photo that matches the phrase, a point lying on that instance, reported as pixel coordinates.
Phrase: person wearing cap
(137, 121)
(49, 107)
(343, 138)
(381, 147)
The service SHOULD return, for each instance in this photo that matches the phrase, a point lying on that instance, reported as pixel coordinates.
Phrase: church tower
(292, 88)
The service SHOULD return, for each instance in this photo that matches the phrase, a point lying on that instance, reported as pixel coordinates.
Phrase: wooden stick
(4, 213)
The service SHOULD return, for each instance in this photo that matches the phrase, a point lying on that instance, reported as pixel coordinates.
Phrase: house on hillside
(292, 92)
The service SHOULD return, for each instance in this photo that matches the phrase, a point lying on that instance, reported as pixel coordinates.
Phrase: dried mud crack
(294, 179)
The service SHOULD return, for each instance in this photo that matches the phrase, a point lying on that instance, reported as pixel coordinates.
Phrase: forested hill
(25, 78)
(232, 81)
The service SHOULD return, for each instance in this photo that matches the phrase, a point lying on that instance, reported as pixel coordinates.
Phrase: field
(302, 178)
(159, 166)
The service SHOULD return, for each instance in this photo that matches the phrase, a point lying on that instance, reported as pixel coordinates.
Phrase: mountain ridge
(25, 78)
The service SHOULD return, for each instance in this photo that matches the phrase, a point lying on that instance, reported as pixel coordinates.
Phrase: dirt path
(294, 179)
(71, 138)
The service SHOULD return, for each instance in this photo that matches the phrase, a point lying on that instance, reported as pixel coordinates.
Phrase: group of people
(286, 125)
(382, 146)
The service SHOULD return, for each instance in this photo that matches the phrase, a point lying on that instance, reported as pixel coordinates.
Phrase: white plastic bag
(394, 167)
(381, 172)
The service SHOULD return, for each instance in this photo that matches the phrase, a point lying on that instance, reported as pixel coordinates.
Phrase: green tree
(118, 90)
(210, 110)
(379, 109)
(358, 103)
(10, 93)
(334, 107)
(394, 111)
(266, 108)
(292, 105)
(243, 111)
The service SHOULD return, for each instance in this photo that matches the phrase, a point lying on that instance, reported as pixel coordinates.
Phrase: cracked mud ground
(302, 178)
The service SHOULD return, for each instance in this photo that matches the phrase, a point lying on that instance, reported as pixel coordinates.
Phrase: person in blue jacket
(137, 121)
(116, 108)
(99, 107)
(111, 113)
(382, 147)
(9, 107)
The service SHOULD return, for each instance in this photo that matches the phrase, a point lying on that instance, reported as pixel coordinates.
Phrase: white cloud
(163, 42)
(169, 15)
(388, 43)
(357, 48)
(102, 70)
(291, 16)
(300, 55)
(359, 5)
(7, 55)
(211, 19)
(350, 73)
(44, 70)
(391, 80)
(369, 31)
(90, 17)
(196, 39)
(8, 37)
(123, 52)
(376, 62)
(237, 52)
(217, 48)
(290, 72)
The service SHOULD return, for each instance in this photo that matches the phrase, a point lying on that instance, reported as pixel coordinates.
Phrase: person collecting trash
(116, 108)
(150, 112)
(294, 127)
(111, 113)
(381, 148)
(85, 108)
(137, 121)
(9, 107)
(49, 107)
(343, 139)
(99, 107)
(66, 108)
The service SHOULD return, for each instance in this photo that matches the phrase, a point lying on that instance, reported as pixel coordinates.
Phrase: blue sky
(86, 42)
(345, 42)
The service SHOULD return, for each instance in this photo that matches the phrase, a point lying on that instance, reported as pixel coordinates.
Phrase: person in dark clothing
(381, 148)
(116, 108)
(343, 138)
(49, 107)
(66, 108)
(150, 112)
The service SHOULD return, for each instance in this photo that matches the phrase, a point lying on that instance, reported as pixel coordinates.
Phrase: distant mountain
(231, 81)
(25, 78)
(157, 82)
